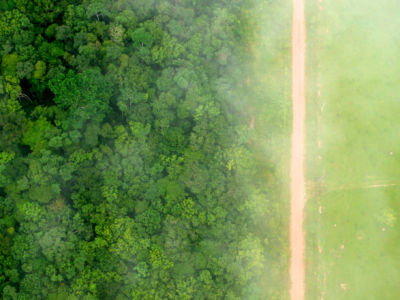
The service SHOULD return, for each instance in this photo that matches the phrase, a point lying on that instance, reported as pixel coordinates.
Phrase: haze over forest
(142, 144)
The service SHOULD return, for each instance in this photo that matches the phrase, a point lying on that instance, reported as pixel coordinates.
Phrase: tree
(38, 134)
(124, 167)
(15, 28)
(63, 32)
(85, 95)
(98, 9)
(41, 11)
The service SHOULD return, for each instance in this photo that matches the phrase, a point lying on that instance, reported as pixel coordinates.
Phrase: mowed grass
(353, 131)
(360, 246)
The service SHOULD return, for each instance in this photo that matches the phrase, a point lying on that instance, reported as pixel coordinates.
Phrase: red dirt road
(297, 189)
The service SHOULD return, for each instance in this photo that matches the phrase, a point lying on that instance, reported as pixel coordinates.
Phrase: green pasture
(353, 149)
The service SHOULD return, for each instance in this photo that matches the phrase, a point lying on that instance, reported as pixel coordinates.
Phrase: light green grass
(354, 60)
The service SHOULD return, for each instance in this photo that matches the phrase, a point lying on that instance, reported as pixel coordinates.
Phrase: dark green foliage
(124, 167)
(84, 95)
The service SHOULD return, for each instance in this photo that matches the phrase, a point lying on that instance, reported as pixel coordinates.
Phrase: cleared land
(353, 150)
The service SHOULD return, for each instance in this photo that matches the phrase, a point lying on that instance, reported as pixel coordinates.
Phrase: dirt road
(297, 189)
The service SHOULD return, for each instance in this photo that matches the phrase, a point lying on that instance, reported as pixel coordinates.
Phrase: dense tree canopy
(125, 171)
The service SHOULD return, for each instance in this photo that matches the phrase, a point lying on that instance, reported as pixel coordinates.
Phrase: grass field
(353, 146)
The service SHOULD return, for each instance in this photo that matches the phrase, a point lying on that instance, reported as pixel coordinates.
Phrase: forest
(127, 167)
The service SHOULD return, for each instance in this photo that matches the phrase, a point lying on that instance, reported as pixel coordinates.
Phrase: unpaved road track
(297, 189)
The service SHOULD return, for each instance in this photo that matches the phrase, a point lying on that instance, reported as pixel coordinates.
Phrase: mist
(144, 149)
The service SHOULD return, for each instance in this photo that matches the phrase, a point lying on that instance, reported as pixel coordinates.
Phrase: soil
(297, 185)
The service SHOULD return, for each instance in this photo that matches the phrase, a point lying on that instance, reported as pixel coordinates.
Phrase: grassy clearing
(353, 111)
